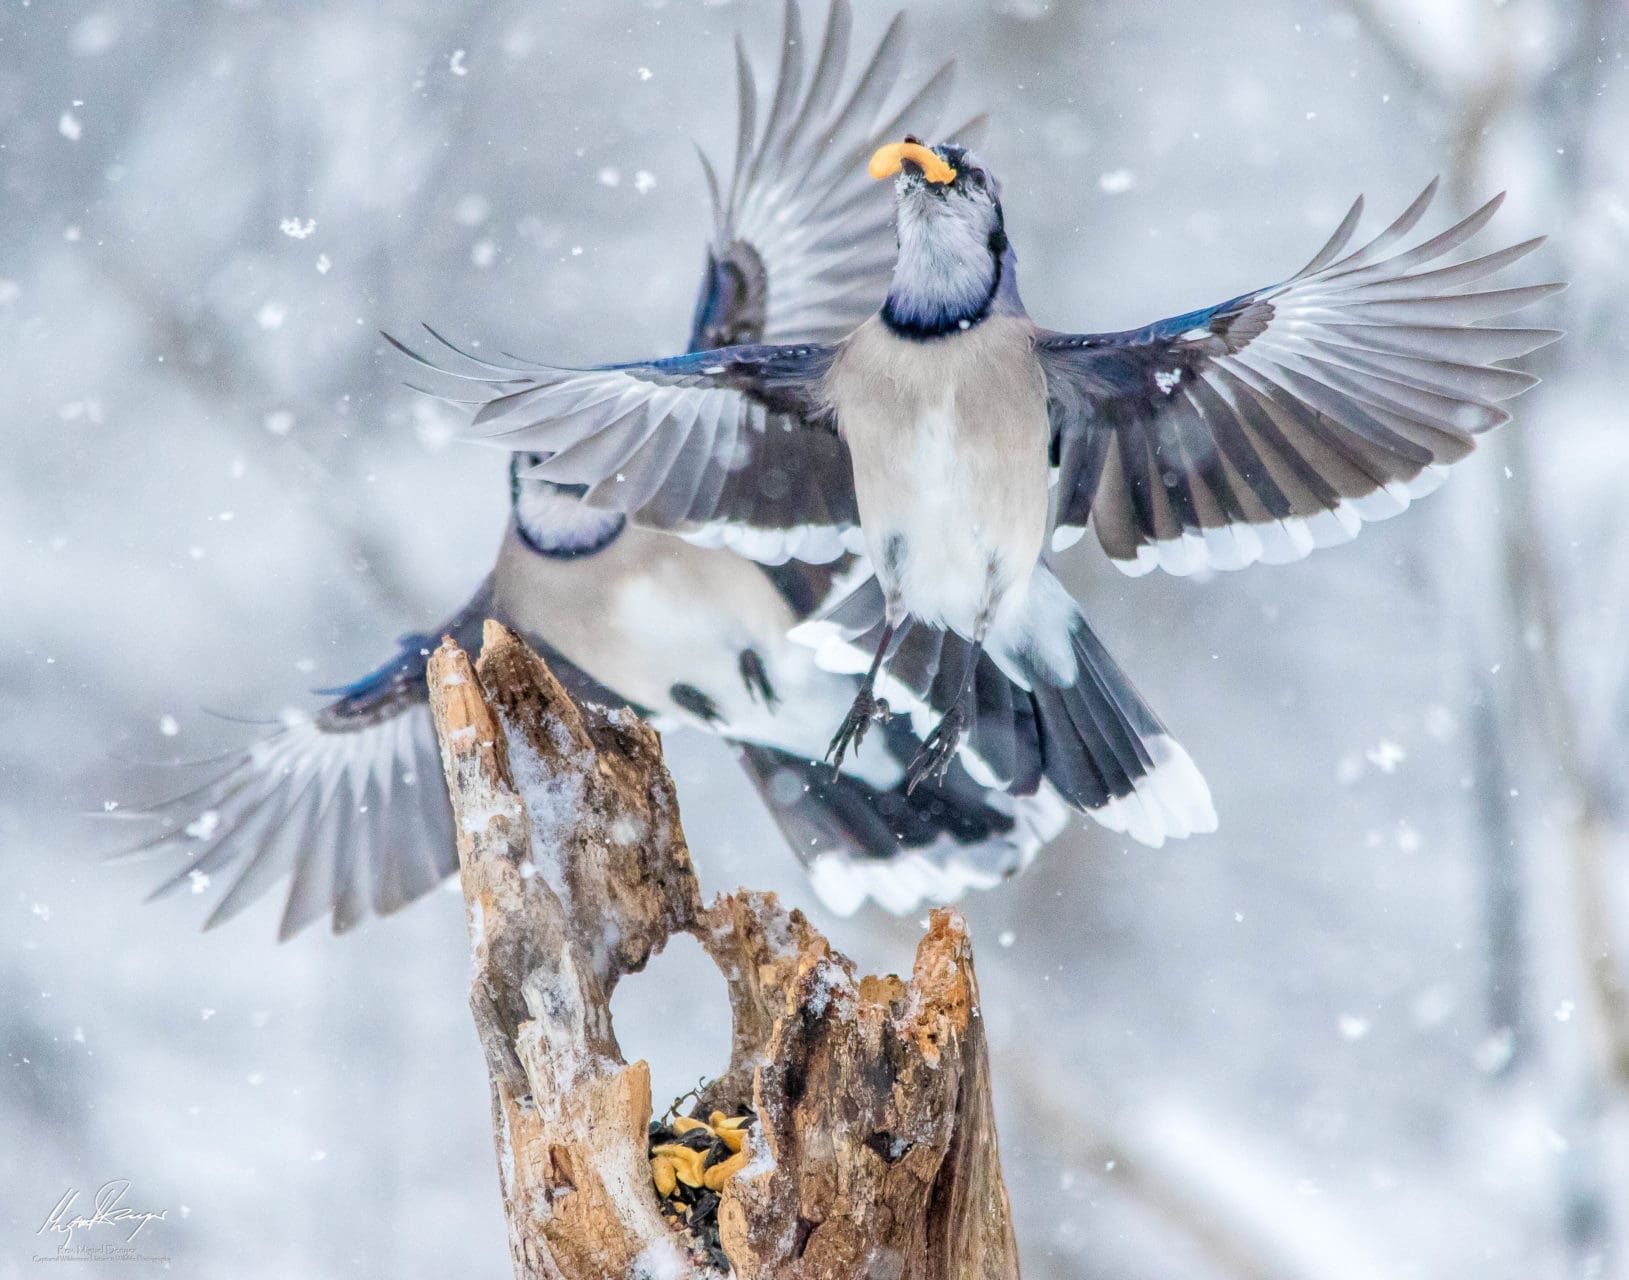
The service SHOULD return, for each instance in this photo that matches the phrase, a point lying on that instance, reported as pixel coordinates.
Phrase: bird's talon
(851, 733)
(933, 759)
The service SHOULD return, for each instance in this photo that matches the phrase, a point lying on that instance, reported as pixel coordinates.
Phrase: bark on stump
(875, 1152)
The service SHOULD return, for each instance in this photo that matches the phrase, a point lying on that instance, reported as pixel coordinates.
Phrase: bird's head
(552, 519)
(955, 266)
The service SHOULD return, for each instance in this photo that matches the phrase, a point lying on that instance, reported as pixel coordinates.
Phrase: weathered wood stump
(874, 1149)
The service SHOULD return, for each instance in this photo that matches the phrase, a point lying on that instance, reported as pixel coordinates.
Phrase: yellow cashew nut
(888, 160)
(724, 1170)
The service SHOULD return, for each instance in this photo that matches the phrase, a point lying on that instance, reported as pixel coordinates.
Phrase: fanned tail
(1050, 708)
(1102, 747)
(901, 849)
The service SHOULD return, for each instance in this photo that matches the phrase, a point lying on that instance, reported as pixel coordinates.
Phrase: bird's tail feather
(898, 847)
(1049, 706)
(1103, 748)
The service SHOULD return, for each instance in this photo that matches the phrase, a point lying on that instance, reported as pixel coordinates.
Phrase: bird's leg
(756, 677)
(866, 707)
(933, 758)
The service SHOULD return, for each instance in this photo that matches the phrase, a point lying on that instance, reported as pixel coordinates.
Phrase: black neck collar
(924, 329)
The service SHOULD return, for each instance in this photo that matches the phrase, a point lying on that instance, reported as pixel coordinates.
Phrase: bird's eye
(975, 178)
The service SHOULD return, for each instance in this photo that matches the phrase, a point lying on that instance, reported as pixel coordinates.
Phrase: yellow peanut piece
(732, 1138)
(686, 1163)
(664, 1174)
(684, 1124)
(888, 160)
(724, 1170)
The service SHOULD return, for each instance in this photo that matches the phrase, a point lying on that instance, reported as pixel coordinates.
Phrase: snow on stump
(870, 1145)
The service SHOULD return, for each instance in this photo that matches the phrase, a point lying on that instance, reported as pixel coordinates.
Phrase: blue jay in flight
(958, 440)
(350, 805)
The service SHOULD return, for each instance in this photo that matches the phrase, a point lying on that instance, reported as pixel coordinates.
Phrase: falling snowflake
(1386, 756)
(1493, 1054)
(472, 209)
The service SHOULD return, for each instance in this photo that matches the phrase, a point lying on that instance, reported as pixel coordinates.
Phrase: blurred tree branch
(1475, 111)
(1082, 1134)
(1548, 114)
(1383, 34)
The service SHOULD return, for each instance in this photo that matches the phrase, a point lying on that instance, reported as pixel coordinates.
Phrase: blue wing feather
(1281, 419)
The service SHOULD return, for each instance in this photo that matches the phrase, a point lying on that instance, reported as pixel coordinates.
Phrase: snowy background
(1374, 1028)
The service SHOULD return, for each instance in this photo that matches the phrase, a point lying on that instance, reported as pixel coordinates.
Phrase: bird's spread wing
(733, 448)
(803, 240)
(347, 805)
(729, 445)
(1281, 420)
(354, 816)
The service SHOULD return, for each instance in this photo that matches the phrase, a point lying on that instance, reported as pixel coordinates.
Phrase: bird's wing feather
(1284, 418)
(803, 241)
(348, 805)
(733, 447)
(357, 821)
(802, 248)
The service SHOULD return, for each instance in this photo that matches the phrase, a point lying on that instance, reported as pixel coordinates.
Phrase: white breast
(652, 611)
(949, 445)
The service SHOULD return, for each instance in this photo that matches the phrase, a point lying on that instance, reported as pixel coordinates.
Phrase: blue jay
(349, 804)
(961, 440)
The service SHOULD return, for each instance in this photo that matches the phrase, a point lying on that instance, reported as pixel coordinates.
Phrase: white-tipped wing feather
(357, 821)
(1282, 420)
(733, 448)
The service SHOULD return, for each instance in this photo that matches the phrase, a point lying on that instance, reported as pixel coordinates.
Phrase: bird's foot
(866, 709)
(756, 677)
(934, 757)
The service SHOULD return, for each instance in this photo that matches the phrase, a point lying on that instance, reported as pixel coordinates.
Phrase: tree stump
(873, 1152)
